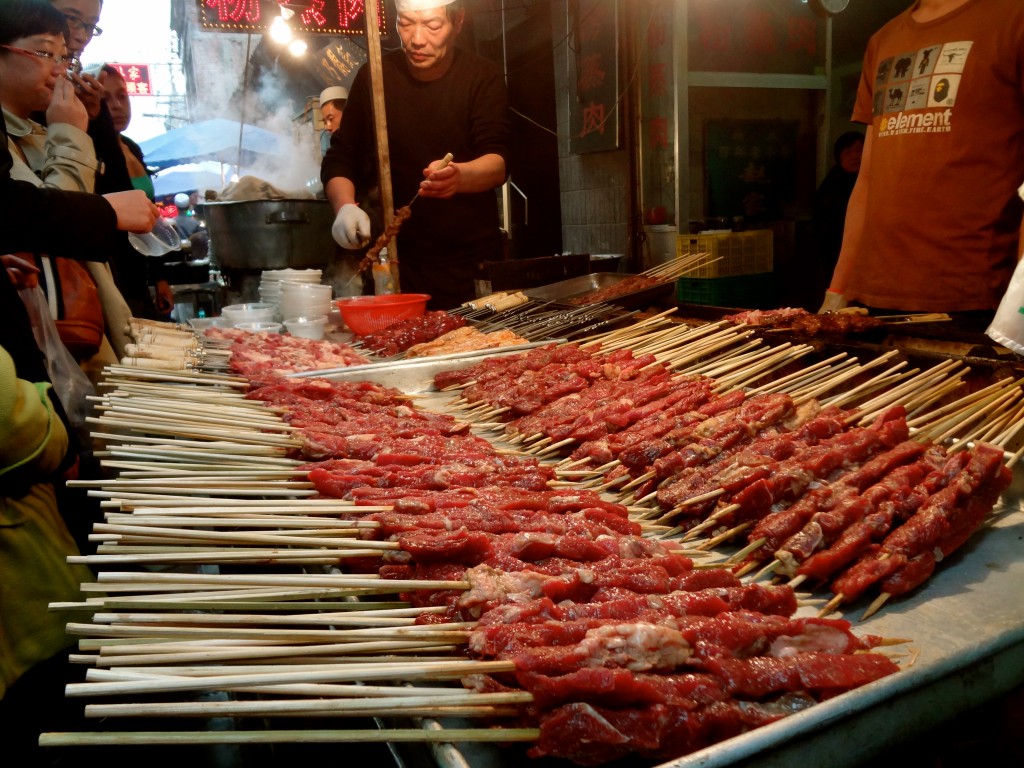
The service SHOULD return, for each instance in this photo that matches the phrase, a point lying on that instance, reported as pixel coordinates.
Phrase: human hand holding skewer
(441, 179)
(447, 183)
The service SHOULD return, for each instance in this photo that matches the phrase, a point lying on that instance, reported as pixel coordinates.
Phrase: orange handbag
(80, 314)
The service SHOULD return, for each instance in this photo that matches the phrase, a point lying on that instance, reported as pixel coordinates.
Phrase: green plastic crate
(741, 291)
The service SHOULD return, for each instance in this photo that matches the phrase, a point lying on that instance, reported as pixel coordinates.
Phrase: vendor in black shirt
(438, 99)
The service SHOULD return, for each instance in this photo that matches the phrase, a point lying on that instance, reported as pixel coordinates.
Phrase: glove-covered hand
(833, 302)
(351, 227)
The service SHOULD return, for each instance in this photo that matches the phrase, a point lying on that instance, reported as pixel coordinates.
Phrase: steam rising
(297, 169)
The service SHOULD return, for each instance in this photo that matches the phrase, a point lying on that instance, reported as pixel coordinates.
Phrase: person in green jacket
(34, 572)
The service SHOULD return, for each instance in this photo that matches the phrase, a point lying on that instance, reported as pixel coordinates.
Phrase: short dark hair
(846, 141)
(24, 18)
(112, 71)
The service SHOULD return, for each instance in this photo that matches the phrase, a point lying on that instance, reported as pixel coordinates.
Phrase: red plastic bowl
(366, 314)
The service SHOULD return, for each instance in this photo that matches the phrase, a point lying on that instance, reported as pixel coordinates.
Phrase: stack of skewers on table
(601, 540)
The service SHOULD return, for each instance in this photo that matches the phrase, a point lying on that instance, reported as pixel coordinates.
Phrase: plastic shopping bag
(70, 384)
(1007, 326)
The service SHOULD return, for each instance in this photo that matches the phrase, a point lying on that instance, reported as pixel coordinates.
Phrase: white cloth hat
(333, 93)
(181, 200)
(407, 6)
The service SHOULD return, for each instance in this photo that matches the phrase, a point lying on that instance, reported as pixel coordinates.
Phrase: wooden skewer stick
(876, 606)
(350, 581)
(831, 606)
(465, 705)
(333, 736)
(353, 672)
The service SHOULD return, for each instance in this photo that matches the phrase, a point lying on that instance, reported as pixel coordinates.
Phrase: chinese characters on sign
(593, 104)
(337, 63)
(769, 36)
(325, 17)
(750, 167)
(136, 78)
(658, 115)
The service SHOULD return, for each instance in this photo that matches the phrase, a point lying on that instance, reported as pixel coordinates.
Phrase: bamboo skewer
(454, 735)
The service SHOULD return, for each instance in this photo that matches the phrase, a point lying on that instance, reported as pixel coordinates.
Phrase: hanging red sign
(324, 17)
(136, 78)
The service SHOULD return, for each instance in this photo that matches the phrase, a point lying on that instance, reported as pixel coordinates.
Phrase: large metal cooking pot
(269, 234)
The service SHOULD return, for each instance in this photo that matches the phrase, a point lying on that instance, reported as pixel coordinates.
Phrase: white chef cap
(407, 6)
(333, 93)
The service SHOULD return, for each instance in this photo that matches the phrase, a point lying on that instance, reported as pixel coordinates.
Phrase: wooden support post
(387, 197)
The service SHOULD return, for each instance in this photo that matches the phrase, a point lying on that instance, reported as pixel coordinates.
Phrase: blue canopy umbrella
(171, 181)
(219, 139)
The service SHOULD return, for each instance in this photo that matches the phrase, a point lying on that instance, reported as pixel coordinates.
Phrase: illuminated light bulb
(280, 32)
(297, 47)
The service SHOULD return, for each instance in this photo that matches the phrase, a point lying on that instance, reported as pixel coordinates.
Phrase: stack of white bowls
(307, 300)
(272, 281)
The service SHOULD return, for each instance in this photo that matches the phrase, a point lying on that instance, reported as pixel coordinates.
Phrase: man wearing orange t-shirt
(934, 219)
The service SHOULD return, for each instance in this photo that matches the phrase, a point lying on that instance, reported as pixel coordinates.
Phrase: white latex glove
(351, 227)
(833, 302)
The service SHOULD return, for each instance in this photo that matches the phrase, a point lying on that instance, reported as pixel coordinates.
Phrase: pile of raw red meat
(828, 498)
(400, 336)
(624, 644)
(260, 354)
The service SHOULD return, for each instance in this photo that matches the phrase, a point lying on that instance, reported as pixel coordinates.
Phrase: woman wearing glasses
(32, 78)
(82, 17)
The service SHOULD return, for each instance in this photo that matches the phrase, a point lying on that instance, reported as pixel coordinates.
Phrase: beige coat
(63, 157)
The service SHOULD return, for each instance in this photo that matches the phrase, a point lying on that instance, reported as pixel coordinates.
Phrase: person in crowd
(830, 202)
(438, 99)
(183, 222)
(332, 105)
(32, 68)
(35, 539)
(82, 17)
(34, 547)
(132, 274)
(933, 221)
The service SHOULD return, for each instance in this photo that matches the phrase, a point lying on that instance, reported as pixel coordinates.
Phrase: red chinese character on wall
(593, 119)
(592, 73)
(714, 29)
(657, 33)
(592, 25)
(759, 35)
(657, 129)
(657, 79)
(802, 36)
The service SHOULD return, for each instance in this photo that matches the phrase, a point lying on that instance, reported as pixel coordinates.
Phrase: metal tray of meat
(562, 291)
(416, 375)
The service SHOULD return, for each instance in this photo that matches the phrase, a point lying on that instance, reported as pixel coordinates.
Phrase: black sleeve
(353, 145)
(113, 175)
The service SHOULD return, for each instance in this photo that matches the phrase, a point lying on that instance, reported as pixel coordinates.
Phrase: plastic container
(366, 314)
(740, 253)
(263, 327)
(160, 240)
(255, 312)
(306, 327)
(202, 323)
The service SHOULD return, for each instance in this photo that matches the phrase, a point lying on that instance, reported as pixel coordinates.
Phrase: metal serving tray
(416, 375)
(562, 291)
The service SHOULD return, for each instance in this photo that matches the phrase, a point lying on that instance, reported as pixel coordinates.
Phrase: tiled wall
(593, 186)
